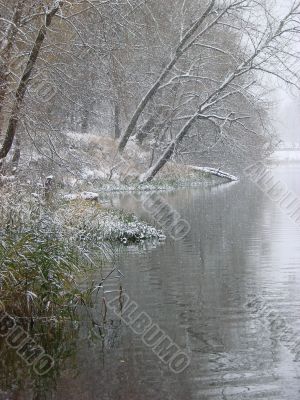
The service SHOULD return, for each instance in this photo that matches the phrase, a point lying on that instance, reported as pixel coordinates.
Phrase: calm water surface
(241, 247)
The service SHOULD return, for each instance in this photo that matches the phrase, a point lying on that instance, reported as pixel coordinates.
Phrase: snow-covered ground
(88, 220)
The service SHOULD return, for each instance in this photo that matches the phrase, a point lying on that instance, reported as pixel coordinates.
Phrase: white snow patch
(71, 197)
(89, 196)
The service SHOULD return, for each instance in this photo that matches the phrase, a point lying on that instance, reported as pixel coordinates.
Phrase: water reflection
(20, 381)
(241, 245)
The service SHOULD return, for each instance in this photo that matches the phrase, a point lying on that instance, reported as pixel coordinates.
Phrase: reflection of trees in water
(19, 380)
(61, 341)
(189, 288)
(192, 287)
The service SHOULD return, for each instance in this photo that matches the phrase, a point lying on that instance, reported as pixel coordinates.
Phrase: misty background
(286, 112)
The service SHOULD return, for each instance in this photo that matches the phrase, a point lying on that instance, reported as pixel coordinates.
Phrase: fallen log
(214, 171)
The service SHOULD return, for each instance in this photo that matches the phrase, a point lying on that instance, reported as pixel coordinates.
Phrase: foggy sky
(286, 113)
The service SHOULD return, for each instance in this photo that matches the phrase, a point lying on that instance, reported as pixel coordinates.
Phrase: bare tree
(23, 84)
(266, 51)
(181, 48)
(7, 43)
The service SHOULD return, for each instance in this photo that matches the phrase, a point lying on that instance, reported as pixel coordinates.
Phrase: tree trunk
(23, 85)
(85, 121)
(117, 120)
(150, 174)
(178, 53)
(17, 155)
(214, 171)
(145, 129)
(3, 89)
(5, 54)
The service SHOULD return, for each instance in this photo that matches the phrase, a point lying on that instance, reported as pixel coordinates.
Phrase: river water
(212, 293)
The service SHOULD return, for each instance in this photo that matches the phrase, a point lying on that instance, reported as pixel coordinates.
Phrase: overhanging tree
(266, 51)
(208, 19)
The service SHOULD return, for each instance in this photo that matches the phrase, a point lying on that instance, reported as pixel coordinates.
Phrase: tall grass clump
(39, 265)
(37, 274)
(47, 245)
